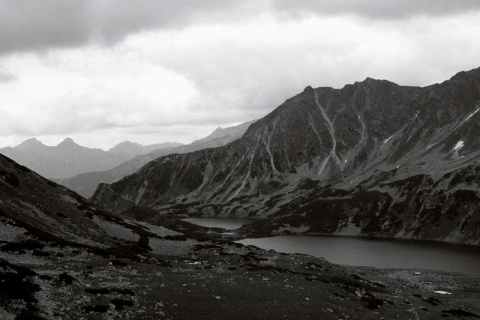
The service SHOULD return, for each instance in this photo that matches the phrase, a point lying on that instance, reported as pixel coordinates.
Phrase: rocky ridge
(371, 158)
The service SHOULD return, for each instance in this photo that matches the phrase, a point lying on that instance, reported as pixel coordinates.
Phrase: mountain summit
(67, 144)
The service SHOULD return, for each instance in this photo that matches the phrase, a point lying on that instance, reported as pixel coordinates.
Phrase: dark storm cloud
(29, 25)
(26, 24)
(380, 9)
(35, 25)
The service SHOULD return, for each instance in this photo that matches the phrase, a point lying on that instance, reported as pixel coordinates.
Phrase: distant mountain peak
(126, 146)
(126, 143)
(68, 142)
(32, 142)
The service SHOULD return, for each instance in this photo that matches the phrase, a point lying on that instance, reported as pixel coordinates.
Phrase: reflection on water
(379, 253)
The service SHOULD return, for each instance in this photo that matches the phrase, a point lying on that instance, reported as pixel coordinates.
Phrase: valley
(239, 160)
(323, 163)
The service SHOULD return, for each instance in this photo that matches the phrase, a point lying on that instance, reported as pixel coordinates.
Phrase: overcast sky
(150, 71)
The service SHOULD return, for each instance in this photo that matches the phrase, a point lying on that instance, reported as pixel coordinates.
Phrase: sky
(152, 71)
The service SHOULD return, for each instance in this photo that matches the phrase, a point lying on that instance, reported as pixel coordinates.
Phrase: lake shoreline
(428, 254)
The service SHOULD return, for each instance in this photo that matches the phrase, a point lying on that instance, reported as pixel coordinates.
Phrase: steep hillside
(31, 206)
(86, 183)
(369, 138)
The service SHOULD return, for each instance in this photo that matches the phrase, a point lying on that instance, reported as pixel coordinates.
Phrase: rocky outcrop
(389, 152)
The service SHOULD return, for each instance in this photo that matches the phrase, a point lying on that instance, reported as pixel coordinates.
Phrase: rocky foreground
(196, 275)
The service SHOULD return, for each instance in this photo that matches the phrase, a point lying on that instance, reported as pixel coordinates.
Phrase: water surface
(225, 223)
(381, 253)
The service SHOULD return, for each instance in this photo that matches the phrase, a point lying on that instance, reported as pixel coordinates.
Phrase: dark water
(226, 223)
(379, 253)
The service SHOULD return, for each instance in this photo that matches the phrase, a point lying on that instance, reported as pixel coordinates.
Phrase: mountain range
(373, 158)
(86, 183)
(68, 159)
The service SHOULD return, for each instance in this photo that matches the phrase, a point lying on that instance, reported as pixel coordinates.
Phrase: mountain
(372, 158)
(86, 183)
(68, 159)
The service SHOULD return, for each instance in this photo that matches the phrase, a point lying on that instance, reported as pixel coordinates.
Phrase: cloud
(6, 77)
(181, 84)
(29, 25)
(379, 9)
(252, 68)
(183, 75)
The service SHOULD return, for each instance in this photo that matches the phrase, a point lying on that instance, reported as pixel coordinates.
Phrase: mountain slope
(37, 203)
(86, 183)
(342, 138)
(68, 159)
(31, 206)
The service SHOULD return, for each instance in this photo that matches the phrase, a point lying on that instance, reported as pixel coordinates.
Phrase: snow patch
(459, 145)
(388, 139)
(442, 292)
(472, 114)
